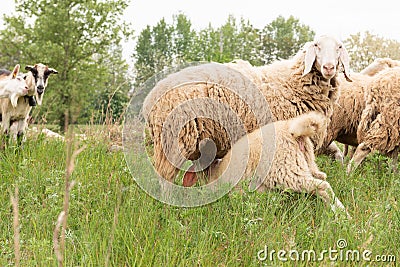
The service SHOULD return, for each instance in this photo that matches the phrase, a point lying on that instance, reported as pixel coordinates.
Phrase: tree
(170, 45)
(109, 101)
(144, 57)
(183, 38)
(72, 36)
(162, 45)
(364, 48)
(249, 40)
(154, 51)
(282, 38)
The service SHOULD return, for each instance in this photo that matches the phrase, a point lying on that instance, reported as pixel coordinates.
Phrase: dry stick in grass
(68, 185)
(17, 250)
(56, 244)
(59, 247)
(62, 219)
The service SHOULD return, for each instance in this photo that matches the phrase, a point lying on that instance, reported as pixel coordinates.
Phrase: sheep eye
(340, 46)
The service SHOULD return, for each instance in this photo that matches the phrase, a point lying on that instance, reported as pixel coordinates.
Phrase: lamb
(380, 121)
(36, 80)
(292, 166)
(348, 109)
(12, 86)
(201, 110)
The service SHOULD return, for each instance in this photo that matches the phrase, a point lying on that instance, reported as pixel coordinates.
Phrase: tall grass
(112, 222)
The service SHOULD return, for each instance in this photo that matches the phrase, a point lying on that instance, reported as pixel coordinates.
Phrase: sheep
(349, 107)
(36, 80)
(346, 116)
(380, 64)
(380, 121)
(12, 86)
(183, 111)
(292, 166)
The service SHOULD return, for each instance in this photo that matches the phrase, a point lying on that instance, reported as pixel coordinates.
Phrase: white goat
(36, 80)
(12, 86)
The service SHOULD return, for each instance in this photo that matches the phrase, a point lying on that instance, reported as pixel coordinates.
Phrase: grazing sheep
(181, 111)
(349, 107)
(292, 165)
(380, 120)
(36, 80)
(12, 86)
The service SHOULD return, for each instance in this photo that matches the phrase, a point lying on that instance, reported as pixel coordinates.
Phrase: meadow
(112, 222)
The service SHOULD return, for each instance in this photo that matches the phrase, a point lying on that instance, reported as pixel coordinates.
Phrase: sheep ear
(345, 60)
(309, 58)
(53, 71)
(15, 71)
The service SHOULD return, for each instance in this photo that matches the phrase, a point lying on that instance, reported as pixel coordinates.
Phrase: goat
(12, 86)
(36, 80)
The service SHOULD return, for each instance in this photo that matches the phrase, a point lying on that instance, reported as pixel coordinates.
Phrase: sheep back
(210, 101)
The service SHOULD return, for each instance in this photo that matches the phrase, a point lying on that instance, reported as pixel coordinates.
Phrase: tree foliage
(76, 37)
(282, 38)
(364, 48)
(169, 45)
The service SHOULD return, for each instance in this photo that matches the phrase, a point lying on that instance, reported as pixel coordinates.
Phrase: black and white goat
(36, 80)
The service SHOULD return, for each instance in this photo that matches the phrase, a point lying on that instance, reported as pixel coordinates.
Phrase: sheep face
(327, 55)
(41, 74)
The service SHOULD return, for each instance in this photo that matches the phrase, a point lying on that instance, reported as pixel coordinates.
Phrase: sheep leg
(324, 190)
(164, 168)
(361, 153)
(345, 150)
(310, 159)
(352, 150)
(334, 152)
(348, 151)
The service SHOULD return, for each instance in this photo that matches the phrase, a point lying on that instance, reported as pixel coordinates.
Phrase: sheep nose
(329, 67)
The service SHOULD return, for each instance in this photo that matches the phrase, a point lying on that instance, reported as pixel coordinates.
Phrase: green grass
(229, 232)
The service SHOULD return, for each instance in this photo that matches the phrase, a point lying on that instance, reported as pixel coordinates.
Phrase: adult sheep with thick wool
(287, 88)
(380, 120)
(349, 107)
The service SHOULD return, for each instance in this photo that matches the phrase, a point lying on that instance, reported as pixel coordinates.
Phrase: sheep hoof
(339, 157)
(320, 175)
(190, 177)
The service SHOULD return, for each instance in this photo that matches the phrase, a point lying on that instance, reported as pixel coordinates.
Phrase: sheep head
(327, 55)
(40, 73)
